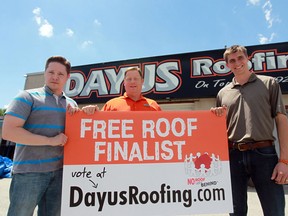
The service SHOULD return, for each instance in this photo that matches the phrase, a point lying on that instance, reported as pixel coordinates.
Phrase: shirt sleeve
(20, 106)
(277, 105)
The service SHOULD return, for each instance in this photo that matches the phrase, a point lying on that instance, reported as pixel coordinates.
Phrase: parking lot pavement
(254, 205)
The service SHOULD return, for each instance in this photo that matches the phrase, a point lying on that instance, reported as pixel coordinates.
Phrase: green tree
(2, 111)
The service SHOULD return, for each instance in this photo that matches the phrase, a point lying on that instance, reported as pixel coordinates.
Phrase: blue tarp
(5, 167)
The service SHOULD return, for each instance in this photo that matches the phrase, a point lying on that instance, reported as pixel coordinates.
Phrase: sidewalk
(254, 205)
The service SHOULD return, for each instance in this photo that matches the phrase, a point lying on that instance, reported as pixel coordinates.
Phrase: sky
(98, 31)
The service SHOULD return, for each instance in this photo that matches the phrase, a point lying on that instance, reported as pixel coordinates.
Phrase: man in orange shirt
(132, 100)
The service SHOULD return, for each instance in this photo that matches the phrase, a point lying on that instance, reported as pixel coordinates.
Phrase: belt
(244, 146)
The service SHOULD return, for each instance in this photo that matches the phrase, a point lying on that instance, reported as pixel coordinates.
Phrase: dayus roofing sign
(146, 163)
(187, 75)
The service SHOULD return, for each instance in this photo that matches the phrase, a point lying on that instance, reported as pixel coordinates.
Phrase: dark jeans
(257, 164)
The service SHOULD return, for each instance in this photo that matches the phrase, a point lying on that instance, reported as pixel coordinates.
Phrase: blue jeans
(27, 190)
(257, 164)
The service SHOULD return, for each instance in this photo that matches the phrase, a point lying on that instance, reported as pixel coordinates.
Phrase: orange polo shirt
(124, 103)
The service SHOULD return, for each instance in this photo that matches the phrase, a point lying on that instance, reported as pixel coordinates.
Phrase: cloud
(97, 22)
(37, 17)
(264, 40)
(45, 28)
(86, 44)
(69, 32)
(267, 8)
(253, 2)
(269, 18)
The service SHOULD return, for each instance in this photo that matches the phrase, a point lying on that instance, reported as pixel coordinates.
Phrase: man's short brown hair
(60, 60)
(234, 49)
(133, 68)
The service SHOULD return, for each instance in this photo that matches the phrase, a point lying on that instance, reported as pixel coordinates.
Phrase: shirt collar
(49, 91)
(252, 78)
(126, 96)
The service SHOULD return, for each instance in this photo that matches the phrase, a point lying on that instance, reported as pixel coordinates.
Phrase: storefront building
(187, 81)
